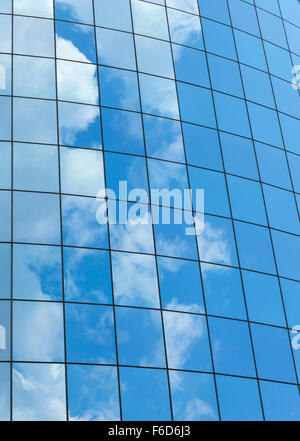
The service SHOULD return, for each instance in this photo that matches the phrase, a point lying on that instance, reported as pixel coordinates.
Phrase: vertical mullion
(60, 217)
(108, 225)
(151, 212)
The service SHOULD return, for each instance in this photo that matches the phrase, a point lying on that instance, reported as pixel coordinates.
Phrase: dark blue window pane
(149, 388)
(235, 121)
(273, 353)
(286, 251)
(282, 209)
(291, 296)
(239, 156)
(190, 66)
(196, 105)
(223, 291)
(90, 334)
(273, 166)
(243, 16)
(250, 50)
(220, 13)
(263, 298)
(239, 399)
(202, 147)
(87, 276)
(225, 76)
(254, 247)
(219, 39)
(246, 200)
(281, 401)
(231, 347)
(122, 131)
(214, 187)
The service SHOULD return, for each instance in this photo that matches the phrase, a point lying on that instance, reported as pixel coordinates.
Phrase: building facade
(119, 303)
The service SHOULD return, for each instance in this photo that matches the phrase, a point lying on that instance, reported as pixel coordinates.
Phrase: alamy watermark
(296, 339)
(167, 206)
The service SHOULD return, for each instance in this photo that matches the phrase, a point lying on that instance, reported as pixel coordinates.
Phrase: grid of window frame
(261, 223)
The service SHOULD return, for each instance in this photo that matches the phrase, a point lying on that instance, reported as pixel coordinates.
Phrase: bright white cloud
(135, 281)
(39, 392)
(213, 245)
(41, 8)
(82, 171)
(182, 332)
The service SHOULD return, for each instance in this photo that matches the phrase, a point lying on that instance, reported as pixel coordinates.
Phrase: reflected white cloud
(76, 81)
(39, 392)
(135, 281)
(159, 96)
(79, 9)
(149, 19)
(198, 409)
(214, 246)
(96, 395)
(79, 222)
(169, 248)
(184, 27)
(136, 235)
(82, 171)
(32, 7)
(163, 174)
(185, 5)
(78, 84)
(37, 272)
(182, 332)
(38, 331)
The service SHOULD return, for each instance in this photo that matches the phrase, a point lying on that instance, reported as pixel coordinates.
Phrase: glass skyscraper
(104, 100)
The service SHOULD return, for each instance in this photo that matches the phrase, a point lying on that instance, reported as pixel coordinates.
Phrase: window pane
(87, 276)
(148, 387)
(36, 167)
(37, 273)
(36, 218)
(193, 397)
(90, 334)
(45, 400)
(38, 332)
(135, 280)
(93, 393)
(140, 338)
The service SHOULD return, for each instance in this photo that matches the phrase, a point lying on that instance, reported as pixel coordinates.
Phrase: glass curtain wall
(140, 321)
